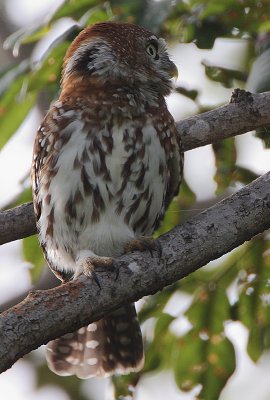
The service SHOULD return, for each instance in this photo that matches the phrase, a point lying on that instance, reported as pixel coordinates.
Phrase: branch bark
(17, 223)
(45, 315)
(245, 112)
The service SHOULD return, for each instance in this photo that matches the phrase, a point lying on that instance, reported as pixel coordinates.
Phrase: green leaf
(33, 254)
(36, 35)
(163, 324)
(21, 95)
(244, 175)
(212, 18)
(155, 304)
(11, 74)
(207, 31)
(177, 209)
(204, 355)
(263, 133)
(209, 362)
(49, 72)
(124, 385)
(254, 293)
(75, 9)
(225, 157)
(15, 40)
(161, 349)
(226, 76)
(14, 112)
(189, 93)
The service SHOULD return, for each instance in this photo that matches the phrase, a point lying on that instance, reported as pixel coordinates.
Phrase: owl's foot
(143, 243)
(87, 266)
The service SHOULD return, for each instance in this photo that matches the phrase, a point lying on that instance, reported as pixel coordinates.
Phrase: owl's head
(120, 53)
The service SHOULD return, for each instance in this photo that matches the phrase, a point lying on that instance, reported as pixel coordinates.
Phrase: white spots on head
(134, 267)
(92, 361)
(92, 344)
(92, 328)
(81, 331)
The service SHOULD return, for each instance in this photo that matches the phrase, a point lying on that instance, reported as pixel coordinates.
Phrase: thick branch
(245, 112)
(45, 315)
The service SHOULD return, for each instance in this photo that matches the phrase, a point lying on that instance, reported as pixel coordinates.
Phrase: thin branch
(17, 223)
(45, 315)
(245, 112)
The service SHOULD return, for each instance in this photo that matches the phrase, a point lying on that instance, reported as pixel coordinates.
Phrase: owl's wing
(50, 131)
(39, 155)
(175, 160)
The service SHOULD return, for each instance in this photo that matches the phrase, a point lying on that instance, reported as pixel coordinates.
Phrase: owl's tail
(113, 344)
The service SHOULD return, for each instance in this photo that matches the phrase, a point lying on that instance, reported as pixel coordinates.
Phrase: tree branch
(45, 315)
(245, 112)
(17, 223)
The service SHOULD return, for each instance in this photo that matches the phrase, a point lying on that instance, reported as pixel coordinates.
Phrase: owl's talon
(144, 243)
(94, 276)
(87, 266)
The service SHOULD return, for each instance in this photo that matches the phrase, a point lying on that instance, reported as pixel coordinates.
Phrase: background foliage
(202, 355)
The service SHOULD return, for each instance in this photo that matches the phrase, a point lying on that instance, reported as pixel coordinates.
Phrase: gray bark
(244, 113)
(17, 223)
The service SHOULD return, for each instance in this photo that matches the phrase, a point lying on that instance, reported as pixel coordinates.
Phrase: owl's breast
(103, 187)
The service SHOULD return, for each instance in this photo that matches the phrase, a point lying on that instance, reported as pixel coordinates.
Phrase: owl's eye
(152, 50)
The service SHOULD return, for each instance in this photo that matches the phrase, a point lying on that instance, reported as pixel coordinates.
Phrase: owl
(107, 162)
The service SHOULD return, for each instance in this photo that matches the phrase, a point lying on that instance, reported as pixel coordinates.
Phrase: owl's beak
(173, 71)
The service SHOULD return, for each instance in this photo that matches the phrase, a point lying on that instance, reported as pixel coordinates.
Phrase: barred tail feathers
(113, 344)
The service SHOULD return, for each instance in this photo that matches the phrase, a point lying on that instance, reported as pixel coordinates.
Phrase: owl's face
(120, 53)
